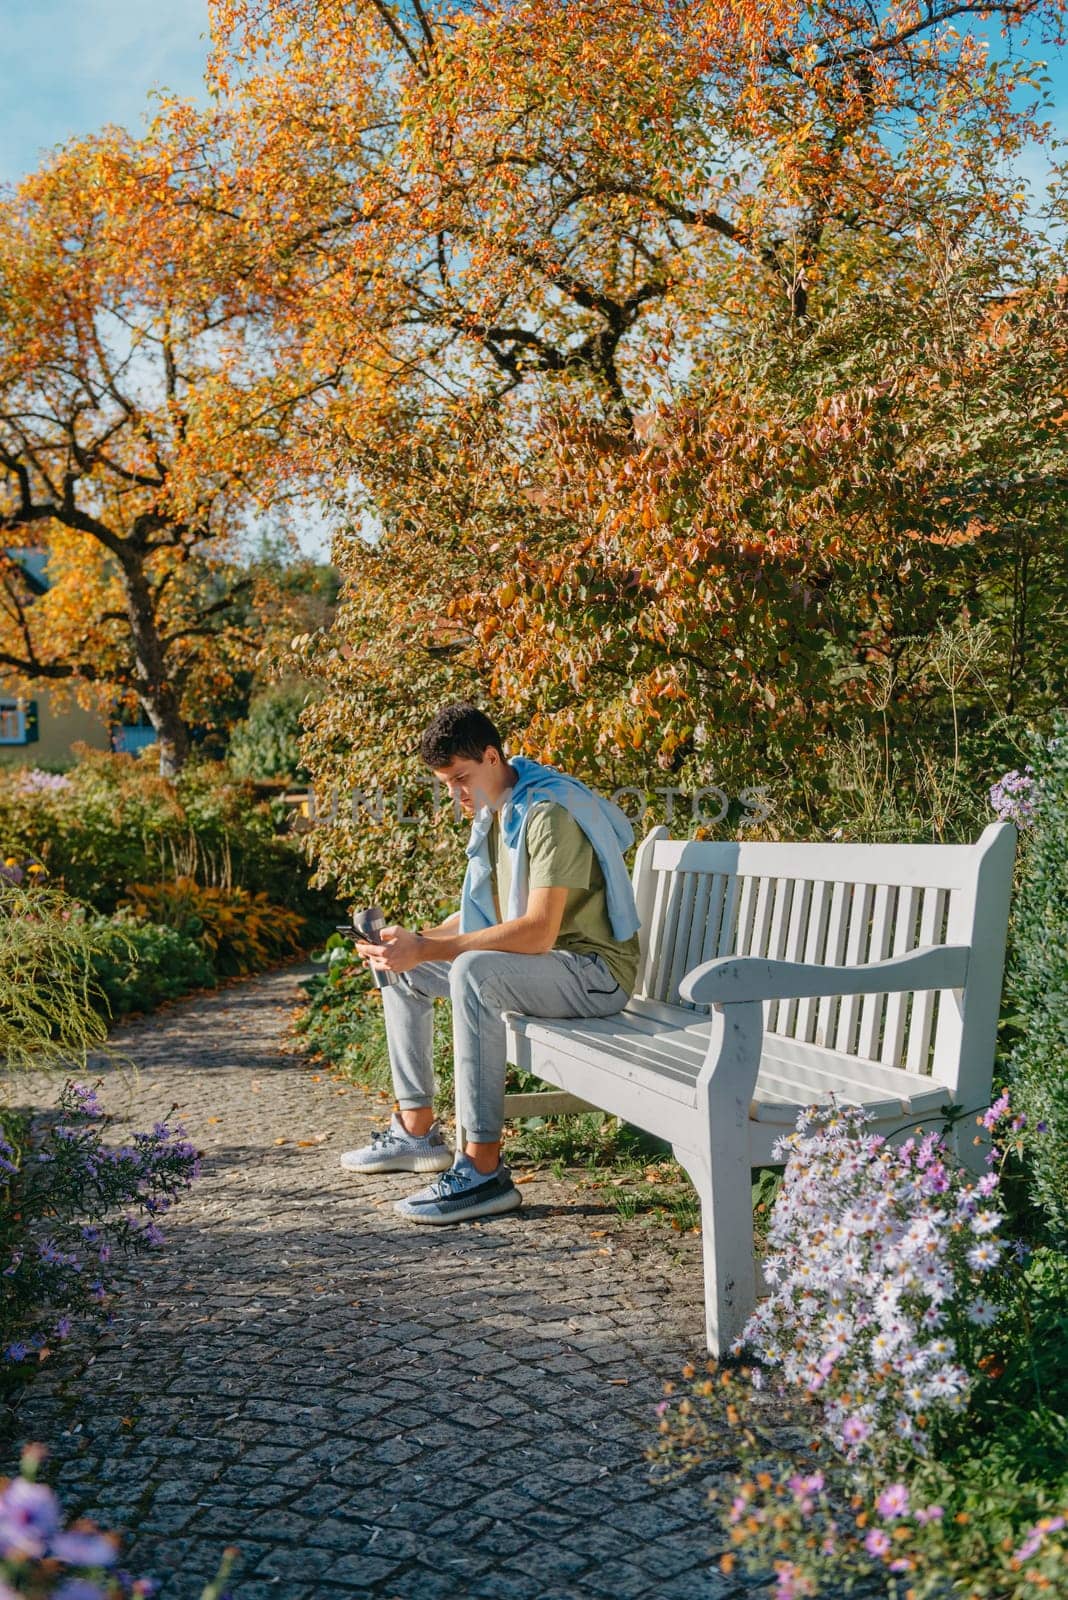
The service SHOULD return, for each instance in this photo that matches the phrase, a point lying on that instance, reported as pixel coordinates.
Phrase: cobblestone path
(364, 1407)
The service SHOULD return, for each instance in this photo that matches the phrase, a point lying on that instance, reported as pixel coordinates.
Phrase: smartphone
(368, 925)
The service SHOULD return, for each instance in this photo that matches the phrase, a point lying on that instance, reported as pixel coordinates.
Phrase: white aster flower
(984, 1255)
(944, 1383)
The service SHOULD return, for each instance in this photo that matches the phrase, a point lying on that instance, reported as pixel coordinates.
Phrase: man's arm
(533, 934)
(442, 930)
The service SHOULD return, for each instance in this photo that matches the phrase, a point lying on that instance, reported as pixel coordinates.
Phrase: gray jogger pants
(482, 984)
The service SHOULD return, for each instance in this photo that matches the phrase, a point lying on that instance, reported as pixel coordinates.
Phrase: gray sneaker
(397, 1150)
(462, 1194)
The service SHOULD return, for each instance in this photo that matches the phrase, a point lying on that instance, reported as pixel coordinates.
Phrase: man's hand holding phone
(400, 950)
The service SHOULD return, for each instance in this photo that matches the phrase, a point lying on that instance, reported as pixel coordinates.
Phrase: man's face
(474, 783)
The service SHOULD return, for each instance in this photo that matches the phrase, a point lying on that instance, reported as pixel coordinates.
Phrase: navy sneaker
(461, 1194)
(397, 1150)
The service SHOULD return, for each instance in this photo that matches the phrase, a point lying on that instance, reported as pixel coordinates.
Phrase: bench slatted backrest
(836, 905)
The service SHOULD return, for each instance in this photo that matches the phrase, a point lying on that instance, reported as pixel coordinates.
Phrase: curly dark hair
(458, 730)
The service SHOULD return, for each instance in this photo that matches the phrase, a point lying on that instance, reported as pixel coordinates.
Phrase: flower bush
(1012, 797)
(42, 1559)
(73, 1208)
(921, 1353)
(882, 1261)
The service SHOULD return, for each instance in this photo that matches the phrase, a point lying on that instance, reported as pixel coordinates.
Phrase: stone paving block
(360, 1571)
(620, 1580)
(699, 1583)
(420, 1584)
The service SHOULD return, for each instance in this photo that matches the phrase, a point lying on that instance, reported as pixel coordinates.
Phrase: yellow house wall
(57, 732)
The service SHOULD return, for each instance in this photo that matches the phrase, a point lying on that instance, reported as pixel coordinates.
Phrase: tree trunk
(159, 696)
(172, 734)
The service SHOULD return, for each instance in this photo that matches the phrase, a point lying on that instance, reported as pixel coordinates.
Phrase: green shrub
(112, 820)
(267, 743)
(1037, 980)
(139, 964)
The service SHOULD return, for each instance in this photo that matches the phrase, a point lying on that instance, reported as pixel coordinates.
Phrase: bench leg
(724, 1189)
(721, 1170)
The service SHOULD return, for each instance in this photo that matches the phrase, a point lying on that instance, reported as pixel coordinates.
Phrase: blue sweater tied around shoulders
(605, 824)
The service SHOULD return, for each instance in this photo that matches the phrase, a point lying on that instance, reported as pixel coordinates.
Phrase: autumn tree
(672, 386)
(140, 423)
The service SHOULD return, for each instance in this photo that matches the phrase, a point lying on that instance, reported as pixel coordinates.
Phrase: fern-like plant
(50, 1003)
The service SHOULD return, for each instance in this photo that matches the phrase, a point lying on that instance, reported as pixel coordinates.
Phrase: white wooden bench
(775, 975)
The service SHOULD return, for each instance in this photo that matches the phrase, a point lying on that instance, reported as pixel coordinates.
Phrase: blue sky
(69, 66)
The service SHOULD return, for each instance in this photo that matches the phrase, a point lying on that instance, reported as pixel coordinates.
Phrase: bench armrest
(733, 979)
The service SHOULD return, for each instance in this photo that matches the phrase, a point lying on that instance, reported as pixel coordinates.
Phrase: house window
(132, 732)
(18, 721)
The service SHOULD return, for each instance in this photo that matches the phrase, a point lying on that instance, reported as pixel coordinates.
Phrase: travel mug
(369, 924)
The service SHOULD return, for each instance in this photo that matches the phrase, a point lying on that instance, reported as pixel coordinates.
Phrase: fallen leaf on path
(215, 1119)
(619, 1383)
(525, 1177)
(281, 1141)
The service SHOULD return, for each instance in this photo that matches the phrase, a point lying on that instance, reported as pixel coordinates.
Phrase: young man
(547, 925)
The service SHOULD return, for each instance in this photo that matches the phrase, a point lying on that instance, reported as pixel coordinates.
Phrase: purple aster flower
(926, 1514)
(29, 1518)
(86, 1549)
(894, 1501)
(877, 1542)
(86, 1100)
(78, 1589)
(935, 1179)
(855, 1430)
(993, 1114)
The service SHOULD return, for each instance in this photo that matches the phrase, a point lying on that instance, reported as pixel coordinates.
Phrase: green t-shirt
(560, 856)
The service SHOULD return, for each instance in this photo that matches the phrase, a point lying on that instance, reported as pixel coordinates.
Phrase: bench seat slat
(787, 1084)
(660, 1056)
(651, 1014)
(791, 1071)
